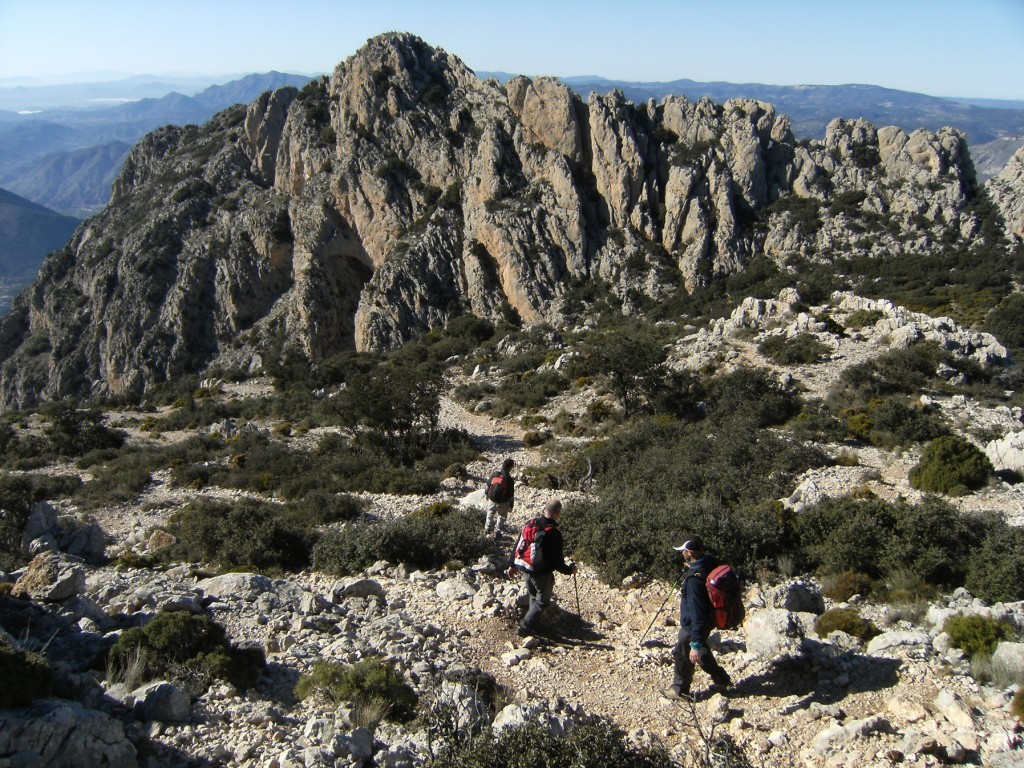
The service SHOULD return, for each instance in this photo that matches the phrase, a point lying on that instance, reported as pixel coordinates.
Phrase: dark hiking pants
(684, 668)
(540, 586)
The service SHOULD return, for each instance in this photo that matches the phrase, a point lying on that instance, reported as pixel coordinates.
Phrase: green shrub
(895, 423)
(370, 680)
(115, 485)
(322, 508)
(424, 540)
(193, 649)
(752, 394)
(530, 390)
(666, 478)
(24, 675)
(1006, 321)
(863, 317)
(802, 349)
(844, 620)
(995, 569)
(73, 431)
(951, 465)
(246, 534)
(534, 745)
(876, 537)
(816, 423)
(976, 635)
(903, 586)
(629, 357)
(903, 371)
(17, 495)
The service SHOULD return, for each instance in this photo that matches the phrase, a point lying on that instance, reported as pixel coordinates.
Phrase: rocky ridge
(402, 191)
(800, 699)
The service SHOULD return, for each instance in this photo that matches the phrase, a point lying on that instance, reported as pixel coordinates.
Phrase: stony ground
(594, 657)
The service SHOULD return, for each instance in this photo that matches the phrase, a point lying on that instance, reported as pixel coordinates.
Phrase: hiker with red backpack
(501, 493)
(538, 553)
(699, 614)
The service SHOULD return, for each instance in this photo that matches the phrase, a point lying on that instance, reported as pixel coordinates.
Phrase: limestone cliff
(402, 191)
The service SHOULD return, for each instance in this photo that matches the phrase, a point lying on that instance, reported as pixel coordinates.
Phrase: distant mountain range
(27, 233)
(65, 158)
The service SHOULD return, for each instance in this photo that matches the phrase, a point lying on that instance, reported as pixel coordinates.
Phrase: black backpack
(499, 487)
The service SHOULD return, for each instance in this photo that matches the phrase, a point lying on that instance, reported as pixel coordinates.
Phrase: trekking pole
(577, 586)
(656, 615)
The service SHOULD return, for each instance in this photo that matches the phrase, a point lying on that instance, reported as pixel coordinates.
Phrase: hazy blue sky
(939, 47)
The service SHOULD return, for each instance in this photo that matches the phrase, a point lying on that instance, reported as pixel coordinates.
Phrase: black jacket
(549, 554)
(694, 603)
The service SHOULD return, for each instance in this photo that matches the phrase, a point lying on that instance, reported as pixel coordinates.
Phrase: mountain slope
(403, 191)
(27, 233)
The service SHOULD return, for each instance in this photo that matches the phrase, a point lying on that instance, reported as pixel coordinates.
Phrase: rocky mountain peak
(402, 191)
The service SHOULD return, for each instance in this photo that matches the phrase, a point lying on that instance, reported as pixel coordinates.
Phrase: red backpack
(499, 487)
(726, 596)
(525, 553)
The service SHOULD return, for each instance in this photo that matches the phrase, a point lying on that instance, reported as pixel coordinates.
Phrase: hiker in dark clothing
(539, 561)
(691, 649)
(498, 511)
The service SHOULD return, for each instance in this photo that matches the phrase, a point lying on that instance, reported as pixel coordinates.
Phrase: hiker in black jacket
(691, 649)
(539, 563)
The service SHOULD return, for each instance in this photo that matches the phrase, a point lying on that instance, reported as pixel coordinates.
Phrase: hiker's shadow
(573, 630)
(798, 676)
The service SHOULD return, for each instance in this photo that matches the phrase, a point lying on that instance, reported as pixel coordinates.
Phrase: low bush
(863, 317)
(24, 675)
(73, 431)
(533, 438)
(898, 372)
(321, 508)
(906, 587)
(423, 540)
(876, 537)
(802, 349)
(843, 585)
(844, 620)
(368, 682)
(662, 479)
(752, 394)
(976, 635)
(530, 390)
(246, 534)
(816, 423)
(951, 465)
(995, 568)
(533, 745)
(191, 649)
(17, 495)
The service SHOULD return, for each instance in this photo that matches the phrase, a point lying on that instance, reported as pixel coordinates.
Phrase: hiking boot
(720, 688)
(673, 695)
(524, 632)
